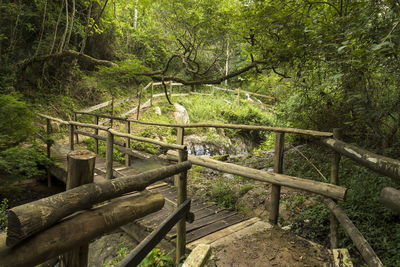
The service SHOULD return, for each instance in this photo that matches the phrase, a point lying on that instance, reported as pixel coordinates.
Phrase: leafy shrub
(15, 121)
(157, 257)
(23, 161)
(222, 193)
(3, 213)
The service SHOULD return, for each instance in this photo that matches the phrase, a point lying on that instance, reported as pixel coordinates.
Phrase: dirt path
(267, 246)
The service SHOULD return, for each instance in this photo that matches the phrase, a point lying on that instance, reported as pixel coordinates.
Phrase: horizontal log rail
(80, 229)
(221, 125)
(148, 140)
(390, 197)
(98, 127)
(33, 217)
(358, 239)
(324, 189)
(380, 164)
(135, 257)
(99, 137)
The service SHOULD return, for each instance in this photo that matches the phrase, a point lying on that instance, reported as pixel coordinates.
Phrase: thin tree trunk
(71, 24)
(42, 29)
(135, 15)
(227, 61)
(62, 42)
(87, 28)
(56, 29)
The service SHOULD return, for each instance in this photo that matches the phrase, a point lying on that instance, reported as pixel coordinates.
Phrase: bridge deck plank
(209, 218)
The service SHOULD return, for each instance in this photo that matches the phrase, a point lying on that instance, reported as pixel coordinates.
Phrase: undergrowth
(379, 225)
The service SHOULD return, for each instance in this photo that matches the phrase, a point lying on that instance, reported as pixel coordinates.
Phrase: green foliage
(157, 257)
(311, 219)
(223, 194)
(15, 121)
(121, 253)
(117, 155)
(23, 161)
(3, 213)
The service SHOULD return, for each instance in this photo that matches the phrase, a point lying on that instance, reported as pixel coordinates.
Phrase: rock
(157, 110)
(181, 115)
(228, 175)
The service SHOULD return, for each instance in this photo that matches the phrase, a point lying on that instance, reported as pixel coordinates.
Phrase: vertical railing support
(80, 171)
(278, 168)
(76, 128)
(138, 108)
(128, 144)
(182, 196)
(112, 111)
(96, 132)
(334, 224)
(48, 148)
(152, 92)
(109, 156)
(71, 136)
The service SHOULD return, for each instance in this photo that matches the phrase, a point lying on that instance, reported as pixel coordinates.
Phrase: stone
(181, 115)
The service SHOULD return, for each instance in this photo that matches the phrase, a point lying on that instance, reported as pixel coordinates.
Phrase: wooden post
(128, 144)
(180, 135)
(109, 156)
(76, 128)
(80, 171)
(278, 168)
(112, 111)
(152, 92)
(71, 137)
(96, 132)
(182, 196)
(334, 224)
(48, 148)
(138, 108)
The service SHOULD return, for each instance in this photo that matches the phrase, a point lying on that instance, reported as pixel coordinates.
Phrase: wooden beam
(390, 197)
(80, 229)
(359, 241)
(30, 218)
(80, 171)
(324, 189)
(278, 168)
(380, 164)
(109, 155)
(334, 224)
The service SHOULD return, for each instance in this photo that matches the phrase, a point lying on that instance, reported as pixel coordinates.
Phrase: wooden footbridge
(33, 222)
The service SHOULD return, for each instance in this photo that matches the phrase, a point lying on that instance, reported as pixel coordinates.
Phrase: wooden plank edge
(222, 233)
(198, 257)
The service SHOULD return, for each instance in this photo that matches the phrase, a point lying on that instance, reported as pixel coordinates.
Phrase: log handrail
(222, 125)
(140, 251)
(108, 129)
(325, 189)
(380, 164)
(355, 235)
(28, 219)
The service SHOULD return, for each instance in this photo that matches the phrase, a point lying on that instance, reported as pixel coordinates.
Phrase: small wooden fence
(331, 192)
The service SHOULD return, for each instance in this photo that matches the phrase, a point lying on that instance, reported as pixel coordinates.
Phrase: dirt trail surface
(264, 245)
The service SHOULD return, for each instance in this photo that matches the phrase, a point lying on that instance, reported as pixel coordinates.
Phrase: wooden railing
(377, 163)
(43, 229)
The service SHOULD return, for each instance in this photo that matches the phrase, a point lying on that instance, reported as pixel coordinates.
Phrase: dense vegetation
(329, 64)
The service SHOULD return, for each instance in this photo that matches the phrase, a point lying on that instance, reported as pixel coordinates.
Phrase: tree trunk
(41, 29)
(56, 29)
(62, 42)
(71, 24)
